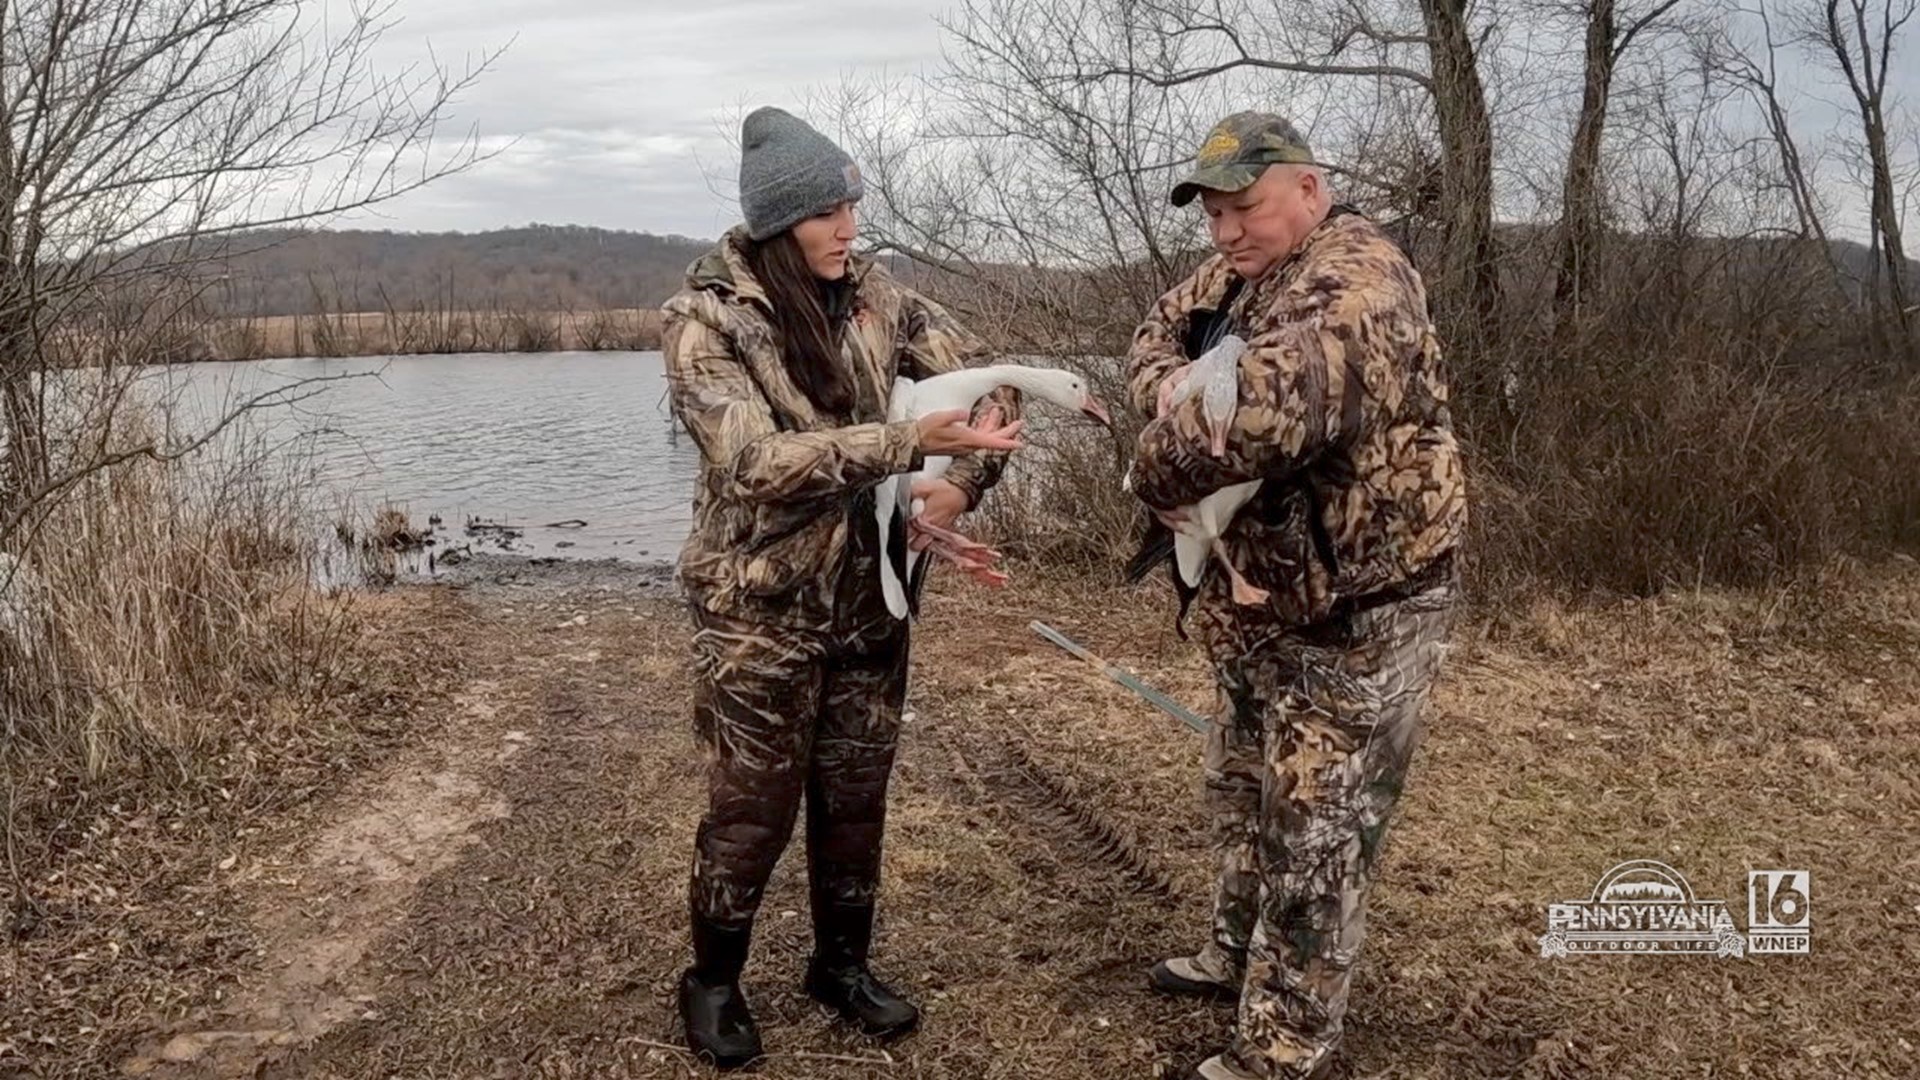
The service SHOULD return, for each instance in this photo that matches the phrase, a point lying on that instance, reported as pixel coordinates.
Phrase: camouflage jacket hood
(779, 481)
(1342, 412)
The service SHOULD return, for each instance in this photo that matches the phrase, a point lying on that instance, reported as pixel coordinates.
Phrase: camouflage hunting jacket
(1343, 414)
(781, 485)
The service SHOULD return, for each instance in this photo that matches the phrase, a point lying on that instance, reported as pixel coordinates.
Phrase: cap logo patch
(1220, 146)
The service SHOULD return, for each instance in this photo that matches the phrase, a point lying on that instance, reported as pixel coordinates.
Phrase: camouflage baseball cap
(1238, 150)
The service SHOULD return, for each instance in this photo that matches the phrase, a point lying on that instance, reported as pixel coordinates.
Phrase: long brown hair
(809, 337)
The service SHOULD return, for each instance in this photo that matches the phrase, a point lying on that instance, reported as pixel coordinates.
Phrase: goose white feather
(894, 504)
(887, 505)
(1215, 376)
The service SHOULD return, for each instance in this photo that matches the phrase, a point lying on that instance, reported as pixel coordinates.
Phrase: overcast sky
(621, 112)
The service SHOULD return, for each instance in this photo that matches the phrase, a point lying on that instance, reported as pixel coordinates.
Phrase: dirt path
(508, 899)
(321, 910)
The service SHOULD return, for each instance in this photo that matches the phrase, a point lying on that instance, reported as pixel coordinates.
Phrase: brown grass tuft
(160, 601)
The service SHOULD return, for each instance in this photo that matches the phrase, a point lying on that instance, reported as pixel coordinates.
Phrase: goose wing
(890, 512)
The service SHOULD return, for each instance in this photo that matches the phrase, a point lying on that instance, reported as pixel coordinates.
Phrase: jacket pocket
(788, 547)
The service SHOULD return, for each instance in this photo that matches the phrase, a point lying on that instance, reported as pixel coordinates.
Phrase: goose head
(1219, 372)
(1060, 387)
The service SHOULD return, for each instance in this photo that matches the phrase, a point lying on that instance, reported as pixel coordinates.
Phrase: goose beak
(1217, 441)
(1092, 407)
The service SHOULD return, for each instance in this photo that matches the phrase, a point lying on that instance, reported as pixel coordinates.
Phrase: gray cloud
(621, 114)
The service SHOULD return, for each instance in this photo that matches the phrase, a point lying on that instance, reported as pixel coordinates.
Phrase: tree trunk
(1886, 220)
(1580, 198)
(25, 467)
(1469, 284)
(1866, 76)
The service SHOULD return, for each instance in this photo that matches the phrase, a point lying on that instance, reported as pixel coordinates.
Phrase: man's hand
(943, 503)
(1168, 385)
(1172, 519)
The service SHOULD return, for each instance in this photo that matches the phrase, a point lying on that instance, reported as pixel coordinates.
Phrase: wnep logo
(1642, 906)
(1779, 912)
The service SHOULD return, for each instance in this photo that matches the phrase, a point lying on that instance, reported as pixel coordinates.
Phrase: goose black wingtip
(1156, 548)
(917, 585)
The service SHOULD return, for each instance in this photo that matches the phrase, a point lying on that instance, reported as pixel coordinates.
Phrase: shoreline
(652, 578)
(343, 335)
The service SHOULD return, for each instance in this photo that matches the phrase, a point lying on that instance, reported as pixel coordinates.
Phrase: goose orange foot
(1244, 591)
(969, 556)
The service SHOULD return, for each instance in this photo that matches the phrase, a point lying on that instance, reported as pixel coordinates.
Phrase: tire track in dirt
(1054, 804)
(1102, 876)
(350, 886)
(326, 909)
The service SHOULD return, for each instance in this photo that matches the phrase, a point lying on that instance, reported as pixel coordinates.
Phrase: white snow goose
(1215, 376)
(903, 570)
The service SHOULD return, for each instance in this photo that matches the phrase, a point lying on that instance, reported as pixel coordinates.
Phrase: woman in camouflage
(781, 352)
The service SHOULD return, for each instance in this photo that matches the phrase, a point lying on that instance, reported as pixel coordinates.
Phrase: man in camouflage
(1342, 415)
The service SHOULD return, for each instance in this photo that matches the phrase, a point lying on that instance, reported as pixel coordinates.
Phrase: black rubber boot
(838, 975)
(720, 1028)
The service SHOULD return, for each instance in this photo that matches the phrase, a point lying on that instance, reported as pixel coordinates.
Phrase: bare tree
(1466, 177)
(1581, 213)
(1043, 193)
(139, 141)
(1249, 49)
(1754, 68)
(1858, 36)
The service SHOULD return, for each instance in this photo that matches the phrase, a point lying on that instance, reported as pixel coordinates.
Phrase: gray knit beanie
(788, 172)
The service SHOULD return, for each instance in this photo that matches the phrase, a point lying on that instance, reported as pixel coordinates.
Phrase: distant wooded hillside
(538, 267)
(556, 268)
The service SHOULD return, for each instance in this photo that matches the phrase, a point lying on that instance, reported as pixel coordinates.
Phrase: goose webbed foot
(938, 536)
(1244, 591)
(969, 556)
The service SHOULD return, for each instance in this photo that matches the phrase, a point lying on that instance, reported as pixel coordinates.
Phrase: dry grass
(1688, 467)
(159, 597)
(174, 683)
(1720, 732)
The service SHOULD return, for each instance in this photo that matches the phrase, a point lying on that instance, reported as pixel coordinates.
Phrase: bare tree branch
(135, 137)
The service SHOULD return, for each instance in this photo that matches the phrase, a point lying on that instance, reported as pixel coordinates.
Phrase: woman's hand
(941, 503)
(947, 433)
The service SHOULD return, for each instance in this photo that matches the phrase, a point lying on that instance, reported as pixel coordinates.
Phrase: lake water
(531, 441)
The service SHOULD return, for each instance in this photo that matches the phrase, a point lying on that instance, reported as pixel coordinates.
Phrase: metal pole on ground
(1124, 678)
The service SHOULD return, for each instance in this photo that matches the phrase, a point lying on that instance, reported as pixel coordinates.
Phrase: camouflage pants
(782, 713)
(1304, 762)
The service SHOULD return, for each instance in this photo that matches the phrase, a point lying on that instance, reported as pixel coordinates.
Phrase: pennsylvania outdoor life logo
(1642, 906)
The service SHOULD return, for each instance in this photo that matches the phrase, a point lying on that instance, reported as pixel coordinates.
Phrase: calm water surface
(526, 440)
